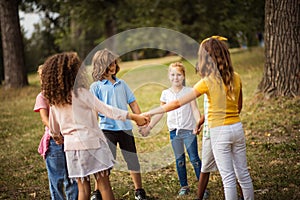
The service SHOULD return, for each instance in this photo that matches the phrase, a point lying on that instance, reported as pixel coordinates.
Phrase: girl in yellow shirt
(223, 88)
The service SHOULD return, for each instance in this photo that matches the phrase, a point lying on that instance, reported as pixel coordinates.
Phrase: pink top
(78, 122)
(42, 103)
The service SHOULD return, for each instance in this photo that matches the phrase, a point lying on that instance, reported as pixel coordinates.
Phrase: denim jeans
(189, 140)
(229, 149)
(58, 174)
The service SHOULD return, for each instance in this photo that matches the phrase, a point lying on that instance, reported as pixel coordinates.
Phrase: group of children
(87, 146)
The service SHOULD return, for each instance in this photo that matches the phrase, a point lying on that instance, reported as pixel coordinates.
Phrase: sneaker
(96, 195)
(140, 194)
(184, 191)
(206, 194)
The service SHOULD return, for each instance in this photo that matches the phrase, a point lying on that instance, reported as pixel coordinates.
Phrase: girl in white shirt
(181, 124)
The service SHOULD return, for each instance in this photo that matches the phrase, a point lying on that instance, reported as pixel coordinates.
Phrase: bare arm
(44, 116)
(197, 117)
(176, 103)
(195, 110)
(135, 107)
(240, 103)
(144, 131)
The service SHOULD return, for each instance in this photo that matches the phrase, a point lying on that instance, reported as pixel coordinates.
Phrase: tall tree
(12, 45)
(282, 49)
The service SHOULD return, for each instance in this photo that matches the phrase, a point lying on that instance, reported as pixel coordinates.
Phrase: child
(223, 88)
(181, 124)
(208, 160)
(54, 155)
(115, 92)
(73, 121)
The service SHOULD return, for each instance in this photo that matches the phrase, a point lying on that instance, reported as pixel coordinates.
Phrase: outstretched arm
(144, 131)
(175, 104)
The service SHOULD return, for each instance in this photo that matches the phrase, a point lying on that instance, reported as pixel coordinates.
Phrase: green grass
(272, 130)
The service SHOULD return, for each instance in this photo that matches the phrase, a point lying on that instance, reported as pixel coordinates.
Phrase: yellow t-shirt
(222, 110)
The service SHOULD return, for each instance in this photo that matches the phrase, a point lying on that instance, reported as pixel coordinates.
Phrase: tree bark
(282, 49)
(12, 44)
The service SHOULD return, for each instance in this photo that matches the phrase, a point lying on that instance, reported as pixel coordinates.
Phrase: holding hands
(141, 120)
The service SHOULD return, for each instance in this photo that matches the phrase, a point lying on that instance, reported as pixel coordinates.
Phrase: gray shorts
(208, 159)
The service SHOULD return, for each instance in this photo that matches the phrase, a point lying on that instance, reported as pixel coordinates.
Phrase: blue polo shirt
(117, 95)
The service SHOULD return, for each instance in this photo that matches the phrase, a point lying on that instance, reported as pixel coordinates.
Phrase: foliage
(81, 25)
(271, 128)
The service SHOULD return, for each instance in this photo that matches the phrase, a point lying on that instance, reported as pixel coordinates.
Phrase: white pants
(229, 149)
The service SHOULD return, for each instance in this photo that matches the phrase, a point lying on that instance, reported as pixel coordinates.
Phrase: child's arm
(175, 104)
(44, 116)
(197, 117)
(240, 103)
(144, 131)
(139, 119)
(135, 107)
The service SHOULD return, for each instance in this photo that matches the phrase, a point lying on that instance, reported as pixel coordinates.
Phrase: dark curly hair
(58, 77)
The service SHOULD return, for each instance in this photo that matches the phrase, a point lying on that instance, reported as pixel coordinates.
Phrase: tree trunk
(282, 49)
(12, 44)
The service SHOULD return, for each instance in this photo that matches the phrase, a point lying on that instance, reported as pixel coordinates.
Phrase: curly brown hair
(58, 77)
(101, 62)
(213, 53)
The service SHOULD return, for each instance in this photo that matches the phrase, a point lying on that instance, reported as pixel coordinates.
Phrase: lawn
(272, 130)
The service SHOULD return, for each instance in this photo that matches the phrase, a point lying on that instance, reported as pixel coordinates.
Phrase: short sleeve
(129, 94)
(94, 89)
(201, 87)
(40, 103)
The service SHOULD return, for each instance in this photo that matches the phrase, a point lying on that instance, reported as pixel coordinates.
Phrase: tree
(282, 49)
(12, 45)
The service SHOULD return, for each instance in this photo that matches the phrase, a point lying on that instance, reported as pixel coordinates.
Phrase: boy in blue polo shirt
(115, 92)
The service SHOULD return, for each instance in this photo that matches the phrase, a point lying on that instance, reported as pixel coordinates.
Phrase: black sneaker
(140, 194)
(96, 195)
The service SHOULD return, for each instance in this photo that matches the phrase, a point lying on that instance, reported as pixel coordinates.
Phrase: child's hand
(59, 139)
(199, 126)
(144, 130)
(140, 119)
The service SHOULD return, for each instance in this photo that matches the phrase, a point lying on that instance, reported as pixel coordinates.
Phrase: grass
(272, 130)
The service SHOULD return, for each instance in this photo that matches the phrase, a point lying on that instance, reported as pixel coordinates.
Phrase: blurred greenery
(80, 25)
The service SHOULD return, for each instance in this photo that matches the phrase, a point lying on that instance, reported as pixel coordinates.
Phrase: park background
(270, 115)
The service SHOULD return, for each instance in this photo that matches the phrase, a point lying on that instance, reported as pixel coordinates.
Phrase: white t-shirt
(181, 118)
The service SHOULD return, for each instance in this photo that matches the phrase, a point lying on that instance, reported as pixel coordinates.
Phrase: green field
(272, 129)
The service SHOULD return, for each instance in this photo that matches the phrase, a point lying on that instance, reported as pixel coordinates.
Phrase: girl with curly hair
(73, 121)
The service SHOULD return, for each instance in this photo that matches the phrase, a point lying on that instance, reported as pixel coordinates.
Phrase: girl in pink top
(73, 120)
(59, 183)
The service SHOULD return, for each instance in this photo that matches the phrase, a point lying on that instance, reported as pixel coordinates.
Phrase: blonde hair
(101, 62)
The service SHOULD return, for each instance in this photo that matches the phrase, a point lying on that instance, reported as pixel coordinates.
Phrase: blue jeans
(189, 140)
(58, 174)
